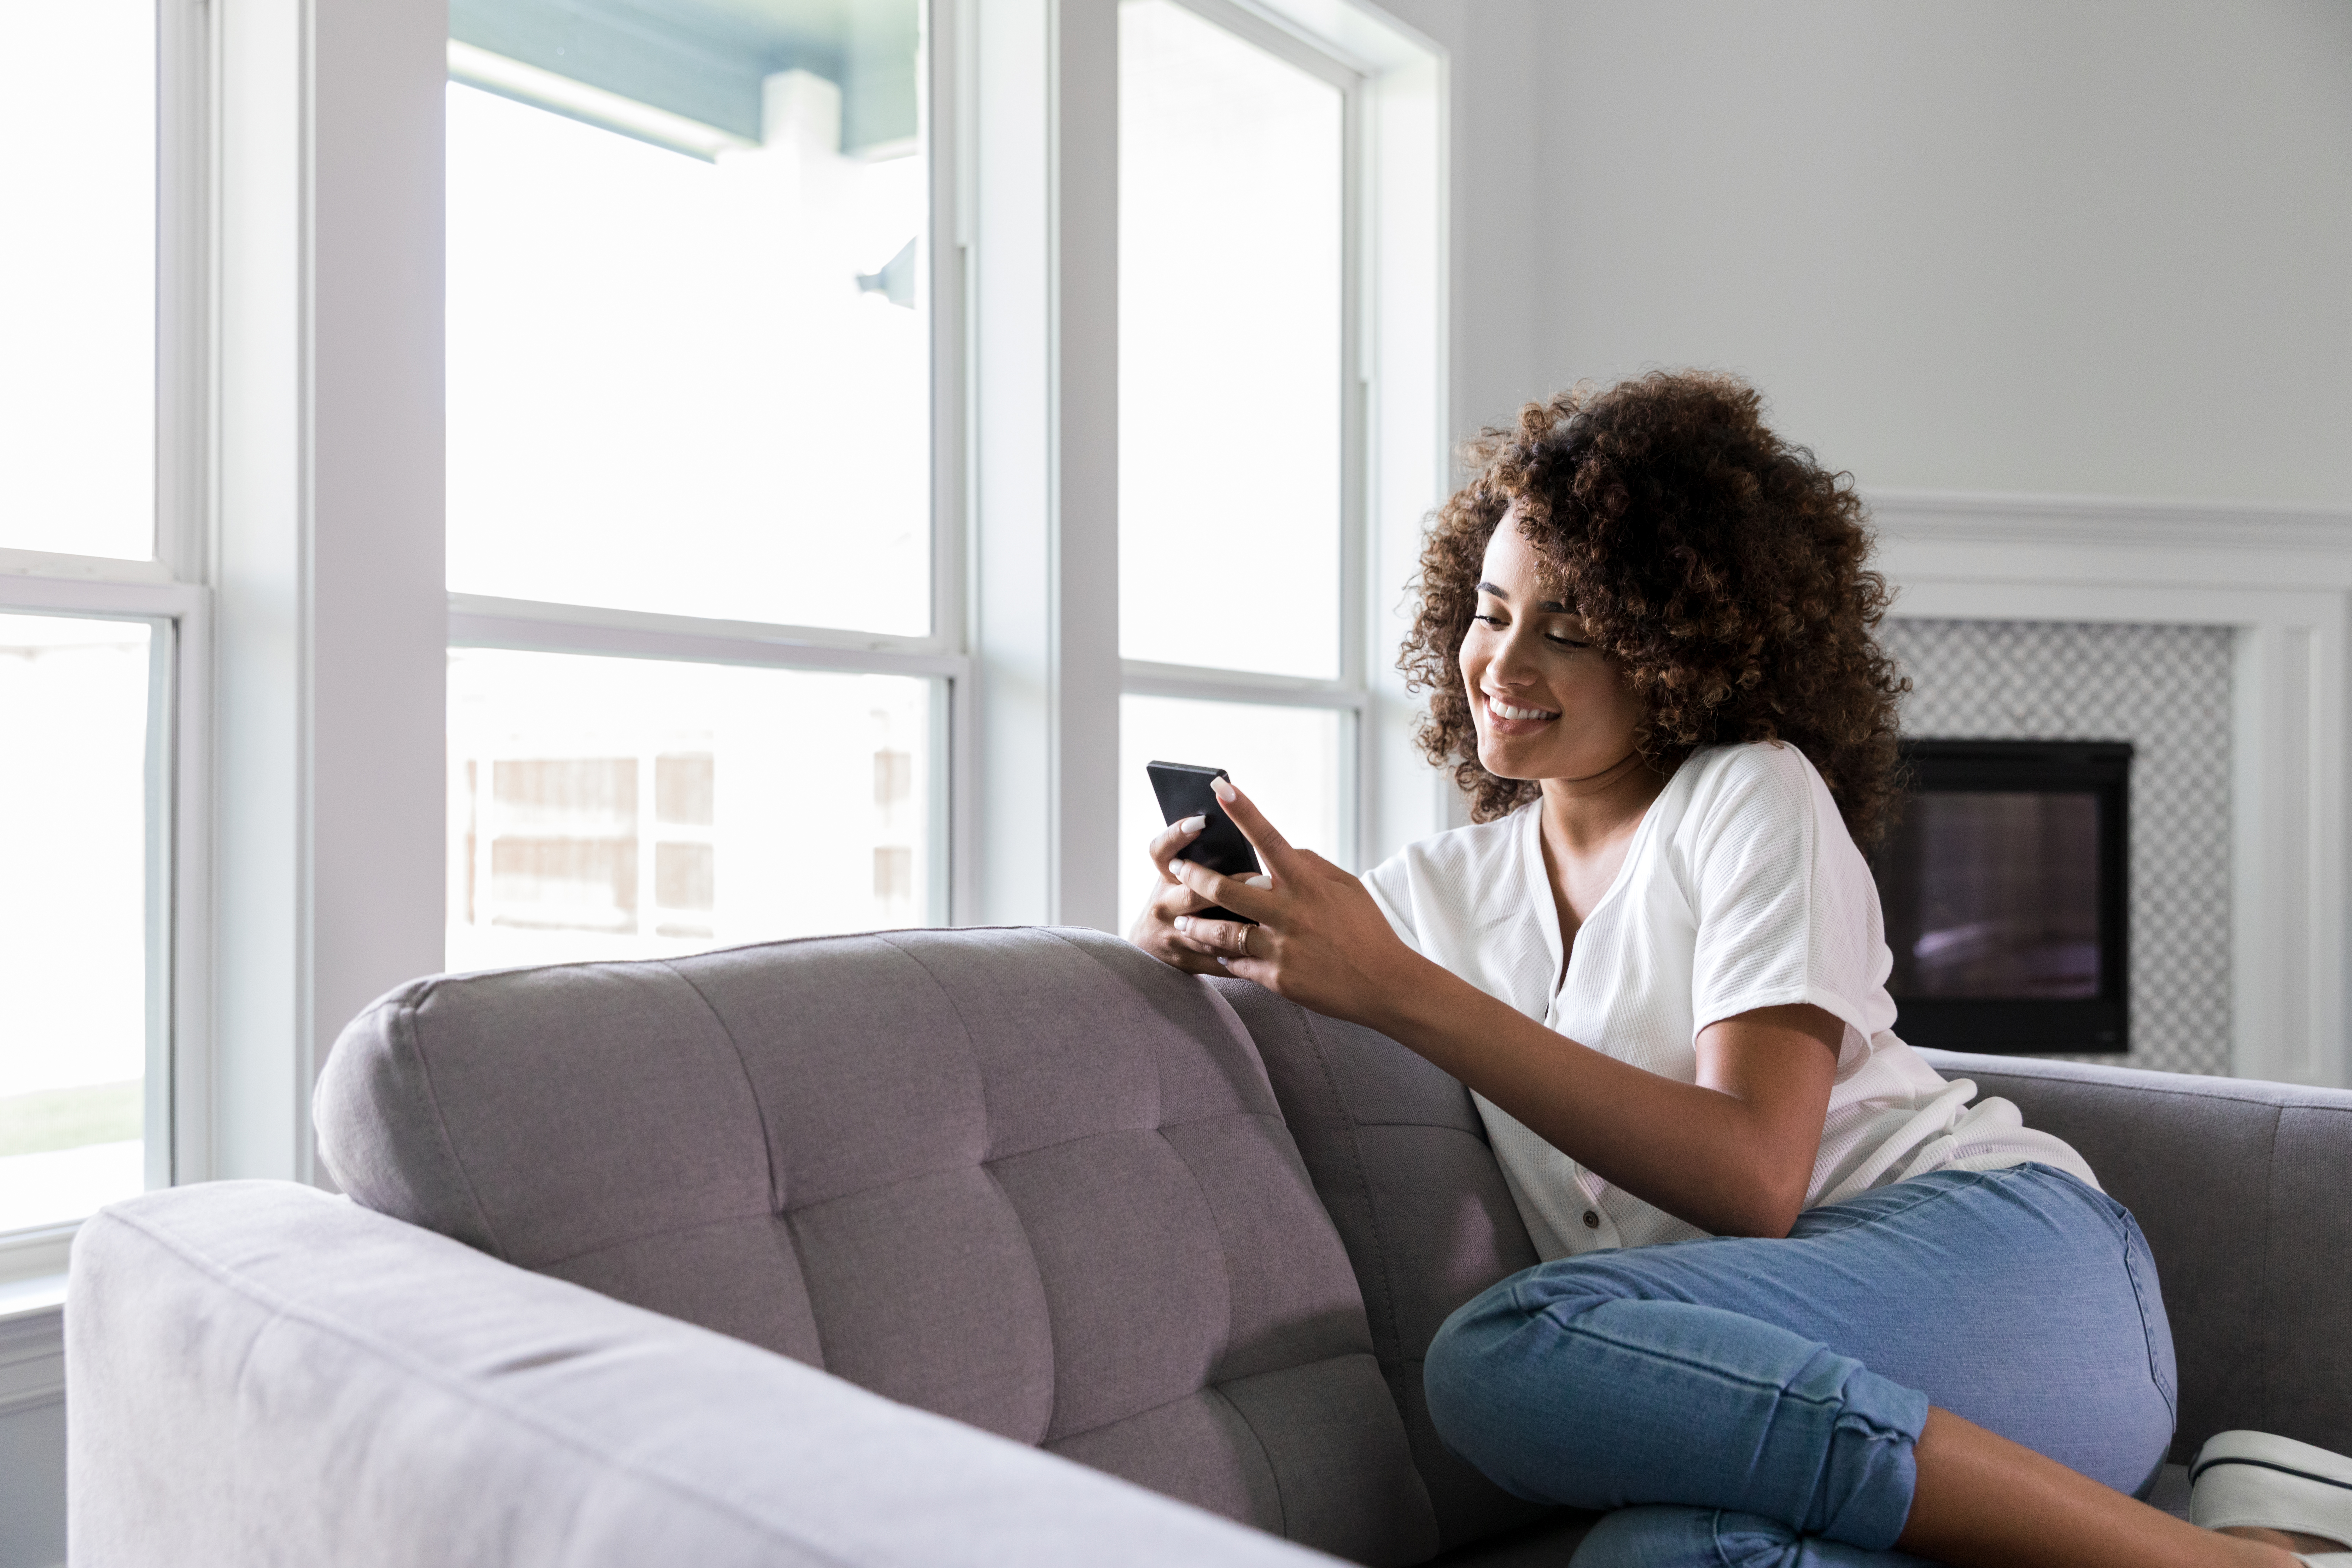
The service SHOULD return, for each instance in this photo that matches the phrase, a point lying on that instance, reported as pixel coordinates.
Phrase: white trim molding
(2281, 578)
(32, 1357)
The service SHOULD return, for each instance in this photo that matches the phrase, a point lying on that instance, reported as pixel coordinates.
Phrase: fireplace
(2004, 886)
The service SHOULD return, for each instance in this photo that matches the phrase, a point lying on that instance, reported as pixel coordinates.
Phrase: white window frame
(169, 591)
(1349, 695)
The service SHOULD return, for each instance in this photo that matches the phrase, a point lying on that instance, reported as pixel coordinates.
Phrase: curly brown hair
(1722, 568)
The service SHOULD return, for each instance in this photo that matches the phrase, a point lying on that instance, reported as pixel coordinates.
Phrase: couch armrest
(2241, 1188)
(258, 1374)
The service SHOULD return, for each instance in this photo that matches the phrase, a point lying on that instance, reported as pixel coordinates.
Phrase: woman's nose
(1509, 664)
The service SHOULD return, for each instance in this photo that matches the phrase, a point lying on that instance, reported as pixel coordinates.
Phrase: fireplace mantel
(2281, 578)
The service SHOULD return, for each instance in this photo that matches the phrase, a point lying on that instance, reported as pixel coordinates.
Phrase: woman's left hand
(1320, 939)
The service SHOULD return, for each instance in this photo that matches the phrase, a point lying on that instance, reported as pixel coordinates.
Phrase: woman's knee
(1476, 1367)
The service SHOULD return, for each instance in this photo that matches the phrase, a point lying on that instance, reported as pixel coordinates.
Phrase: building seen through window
(623, 808)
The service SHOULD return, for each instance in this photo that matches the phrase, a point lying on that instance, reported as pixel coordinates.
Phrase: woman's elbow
(1767, 1211)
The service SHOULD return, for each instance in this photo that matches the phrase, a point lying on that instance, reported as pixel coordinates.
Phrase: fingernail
(1193, 824)
(1184, 923)
(1258, 881)
(1223, 965)
(1176, 869)
(1223, 790)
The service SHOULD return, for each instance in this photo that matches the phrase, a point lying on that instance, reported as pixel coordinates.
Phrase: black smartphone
(1184, 791)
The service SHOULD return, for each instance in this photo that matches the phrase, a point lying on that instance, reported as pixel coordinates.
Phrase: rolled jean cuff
(1871, 1468)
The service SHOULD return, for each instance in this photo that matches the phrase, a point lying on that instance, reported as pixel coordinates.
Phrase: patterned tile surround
(2167, 690)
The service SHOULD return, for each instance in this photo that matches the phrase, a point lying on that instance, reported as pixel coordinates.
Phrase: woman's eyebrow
(1549, 607)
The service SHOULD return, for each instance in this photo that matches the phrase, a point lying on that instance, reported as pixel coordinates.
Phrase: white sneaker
(2276, 1483)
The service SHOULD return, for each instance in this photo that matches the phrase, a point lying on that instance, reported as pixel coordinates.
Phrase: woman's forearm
(1732, 1161)
(1732, 1154)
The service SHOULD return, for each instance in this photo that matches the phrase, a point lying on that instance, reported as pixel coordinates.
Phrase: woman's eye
(1490, 620)
(1564, 642)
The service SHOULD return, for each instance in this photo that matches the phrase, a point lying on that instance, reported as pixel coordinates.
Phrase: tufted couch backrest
(1030, 1179)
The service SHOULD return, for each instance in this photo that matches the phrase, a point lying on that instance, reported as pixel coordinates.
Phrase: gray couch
(840, 1251)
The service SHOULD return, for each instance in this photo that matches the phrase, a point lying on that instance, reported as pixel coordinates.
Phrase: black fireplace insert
(2005, 886)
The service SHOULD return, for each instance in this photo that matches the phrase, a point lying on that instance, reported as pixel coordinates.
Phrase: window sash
(168, 590)
(1351, 692)
(177, 873)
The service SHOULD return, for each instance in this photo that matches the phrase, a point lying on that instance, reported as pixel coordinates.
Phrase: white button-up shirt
(1741, 890)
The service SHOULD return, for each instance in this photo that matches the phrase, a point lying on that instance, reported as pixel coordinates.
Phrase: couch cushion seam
(2263, 1280)
(988, 1126)
(1045, 1301)
(1389, 1330)
(971, 1046)
(1212, 1387)
(1225, 1254)
(743, 1065)
(656, 1233)
(406, 1016)
(986, 1162)
(1281, 1504)
(1158, 1068)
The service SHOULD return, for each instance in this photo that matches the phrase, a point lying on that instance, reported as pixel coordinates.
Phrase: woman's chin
(1498, 760)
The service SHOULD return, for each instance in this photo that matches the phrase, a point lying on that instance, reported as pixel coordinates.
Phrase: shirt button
(1592, 1220)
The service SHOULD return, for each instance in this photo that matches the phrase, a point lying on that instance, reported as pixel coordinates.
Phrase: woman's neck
(1584, 815)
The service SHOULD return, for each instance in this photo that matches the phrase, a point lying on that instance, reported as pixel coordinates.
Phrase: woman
(1895, 1322)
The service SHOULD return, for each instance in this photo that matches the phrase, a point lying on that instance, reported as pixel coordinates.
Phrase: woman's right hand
(1155, 929)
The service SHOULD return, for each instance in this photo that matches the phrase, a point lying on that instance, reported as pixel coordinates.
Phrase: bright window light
(698, 388)
(78, 277)
(73, 915)
(1230, 452)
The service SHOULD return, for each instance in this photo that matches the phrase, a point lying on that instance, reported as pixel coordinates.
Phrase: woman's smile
(1515, 718)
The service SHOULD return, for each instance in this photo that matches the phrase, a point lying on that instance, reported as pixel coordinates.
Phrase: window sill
(34, 1255)
(30, 1297)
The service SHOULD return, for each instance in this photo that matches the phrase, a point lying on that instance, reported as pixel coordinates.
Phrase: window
(77, 704)
(77, 278)
(1237, 451)
(100, 618)
(696, 681)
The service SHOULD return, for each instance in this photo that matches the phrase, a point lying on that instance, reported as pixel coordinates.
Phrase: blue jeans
(1749, 1402)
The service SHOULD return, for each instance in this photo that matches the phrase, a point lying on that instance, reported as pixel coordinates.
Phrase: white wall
(1494, 258)
(2062, 246)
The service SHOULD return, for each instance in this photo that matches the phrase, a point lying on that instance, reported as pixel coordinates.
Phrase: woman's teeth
(1502, 709)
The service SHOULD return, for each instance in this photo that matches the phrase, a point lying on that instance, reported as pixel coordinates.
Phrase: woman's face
(1548, 705)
